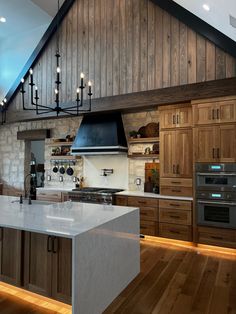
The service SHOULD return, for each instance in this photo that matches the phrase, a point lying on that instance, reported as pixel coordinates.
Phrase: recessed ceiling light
(3, 19)
(206, 7)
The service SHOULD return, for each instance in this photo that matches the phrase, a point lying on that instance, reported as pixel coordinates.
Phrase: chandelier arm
(45, 112)
(68, 112)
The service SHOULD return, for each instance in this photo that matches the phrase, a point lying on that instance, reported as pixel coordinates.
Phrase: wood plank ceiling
(125, 46)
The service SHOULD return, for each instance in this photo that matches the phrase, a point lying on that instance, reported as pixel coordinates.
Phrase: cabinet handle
(213, 152)
(177, 119)
(144, 214)
(216, 237)
(49, 244)
(174, 231)
(142, 202)
(1, 234)
(174, 216)
(177, 169)
(173, 169)
(55, 245)
(174, 122)
(174, 190)
(218, 114)
(218, 153)
(175, 205)
(213, 114)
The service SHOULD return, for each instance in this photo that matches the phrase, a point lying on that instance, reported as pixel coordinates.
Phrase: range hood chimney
(100, 134)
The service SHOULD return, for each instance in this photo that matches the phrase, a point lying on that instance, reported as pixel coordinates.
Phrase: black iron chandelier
(73, 110)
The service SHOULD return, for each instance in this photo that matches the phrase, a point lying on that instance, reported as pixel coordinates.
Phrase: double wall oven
(216, 194)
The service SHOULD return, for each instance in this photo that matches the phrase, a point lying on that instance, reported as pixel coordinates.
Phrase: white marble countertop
(153, 195)
(67, 219)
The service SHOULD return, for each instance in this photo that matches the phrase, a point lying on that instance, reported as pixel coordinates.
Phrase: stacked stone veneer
(14, 153)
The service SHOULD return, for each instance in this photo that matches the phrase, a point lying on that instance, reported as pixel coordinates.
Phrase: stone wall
(13, 152)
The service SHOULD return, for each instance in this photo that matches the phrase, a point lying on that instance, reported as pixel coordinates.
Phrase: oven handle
(216, 174)
(216, 203)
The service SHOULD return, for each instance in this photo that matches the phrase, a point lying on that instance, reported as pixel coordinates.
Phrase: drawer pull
(174, 231)
(142, 227)
(174, 216)
(217, 237)
(176, 182)
(49, 244)
(1, 234)
(144, 214)
(175, 205)
(176, 190)
(142, 202)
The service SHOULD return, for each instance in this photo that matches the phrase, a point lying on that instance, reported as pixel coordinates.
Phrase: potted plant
(133, 134)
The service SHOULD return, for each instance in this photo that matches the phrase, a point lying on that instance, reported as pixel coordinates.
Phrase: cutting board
(148, 169)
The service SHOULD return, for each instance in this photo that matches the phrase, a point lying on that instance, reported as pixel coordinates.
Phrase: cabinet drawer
(52, 196)
(149, 213)
(121, 200)
(171, 204)
(215, 236)
(178, 232)
(183, 217)
(149, 228)
(176, 182)
(142, 201)
(176, 191)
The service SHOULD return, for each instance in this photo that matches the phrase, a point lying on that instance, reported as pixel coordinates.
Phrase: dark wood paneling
(125, 46)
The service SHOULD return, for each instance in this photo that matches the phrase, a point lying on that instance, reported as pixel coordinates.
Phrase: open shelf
(143, 140)
(64, 157)
(145, 156)
(60, 144)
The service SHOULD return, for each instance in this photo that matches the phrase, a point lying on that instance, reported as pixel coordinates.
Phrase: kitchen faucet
(25, 190)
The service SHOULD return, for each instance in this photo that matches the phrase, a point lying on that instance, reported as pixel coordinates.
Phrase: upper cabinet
(176, 116)
(209, 112)
(215, 143)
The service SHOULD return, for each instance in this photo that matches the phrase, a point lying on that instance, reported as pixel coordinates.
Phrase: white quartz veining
(66, 219)
(153, 195)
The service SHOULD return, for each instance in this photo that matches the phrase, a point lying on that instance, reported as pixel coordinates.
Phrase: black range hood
(100, 134)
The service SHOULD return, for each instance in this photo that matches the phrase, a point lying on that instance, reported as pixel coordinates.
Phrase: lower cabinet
(175, 219)
(49, 195)
(148, 214)
(48, 266)
(10, 256)
(216, 236)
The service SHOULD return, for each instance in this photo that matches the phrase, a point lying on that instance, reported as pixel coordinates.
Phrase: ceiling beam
(141, 101)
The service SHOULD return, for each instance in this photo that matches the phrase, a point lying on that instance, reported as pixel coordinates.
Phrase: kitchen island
(105, 251)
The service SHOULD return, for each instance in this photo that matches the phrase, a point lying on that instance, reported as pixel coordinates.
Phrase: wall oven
(216, 194)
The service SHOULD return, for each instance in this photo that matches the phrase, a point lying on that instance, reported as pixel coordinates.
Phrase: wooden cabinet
(177, 116)
(215, 143)
(48, 266)
(49, 195)
(175, 219)
(216, 236)
(209, 112)
(10, 256)
(148, 212)
(176, 153)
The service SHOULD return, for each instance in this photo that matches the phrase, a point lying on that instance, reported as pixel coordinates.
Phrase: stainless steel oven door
(216, 181)
(216, 214)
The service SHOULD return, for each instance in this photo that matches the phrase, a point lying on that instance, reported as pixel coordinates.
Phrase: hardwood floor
(180, 281)
(176, 280)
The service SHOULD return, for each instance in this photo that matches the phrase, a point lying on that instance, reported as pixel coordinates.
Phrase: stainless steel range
(93, 195)
(216, 194)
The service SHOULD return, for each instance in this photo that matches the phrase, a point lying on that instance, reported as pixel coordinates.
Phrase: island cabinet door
(62, 269)
(10, 256)
(38, 263)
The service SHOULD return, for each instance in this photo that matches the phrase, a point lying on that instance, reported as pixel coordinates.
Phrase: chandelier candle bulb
(82, 79)
(89, 85)
(36, 92)
(31, 77)
(58, 74)
(77, 94)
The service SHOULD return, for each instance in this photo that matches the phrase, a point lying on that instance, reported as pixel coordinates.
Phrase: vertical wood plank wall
(126, 46)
